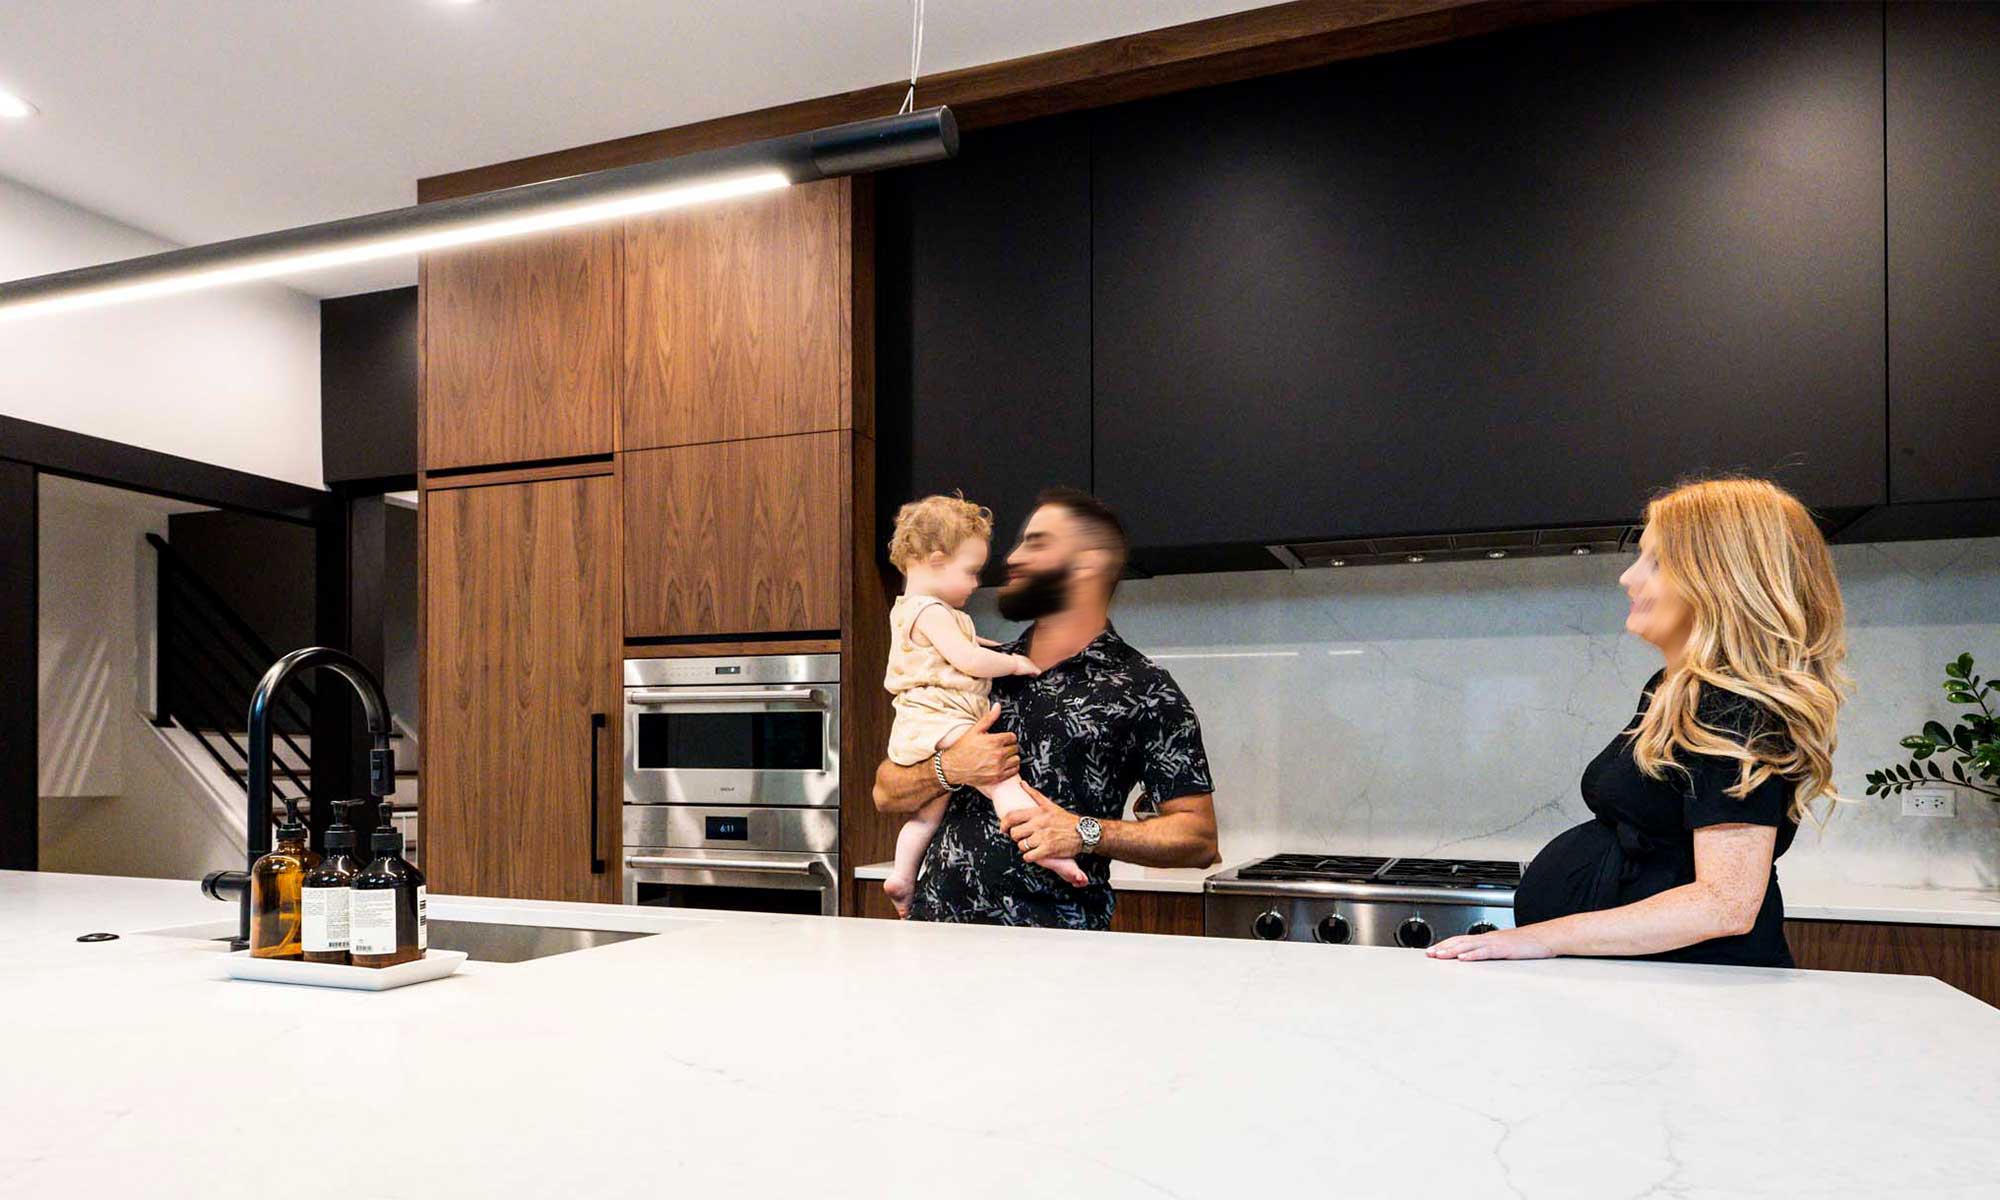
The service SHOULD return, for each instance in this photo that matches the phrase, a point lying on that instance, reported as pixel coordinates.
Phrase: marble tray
(435, 964)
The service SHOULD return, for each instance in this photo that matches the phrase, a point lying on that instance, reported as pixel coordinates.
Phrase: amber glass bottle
(275, 880)
(389, 924)
(326, 894)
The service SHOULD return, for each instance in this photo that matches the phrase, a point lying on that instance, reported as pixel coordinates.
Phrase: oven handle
(711, 695)
(724, 864)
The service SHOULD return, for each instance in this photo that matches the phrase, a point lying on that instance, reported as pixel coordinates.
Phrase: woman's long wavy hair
(1768, 625)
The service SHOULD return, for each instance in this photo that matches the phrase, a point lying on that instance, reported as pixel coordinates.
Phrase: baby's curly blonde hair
(936, 524)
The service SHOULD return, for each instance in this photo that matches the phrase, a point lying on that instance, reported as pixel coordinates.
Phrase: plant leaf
(1935, 773)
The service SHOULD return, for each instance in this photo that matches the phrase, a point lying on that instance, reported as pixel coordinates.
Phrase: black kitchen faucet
(227, 885)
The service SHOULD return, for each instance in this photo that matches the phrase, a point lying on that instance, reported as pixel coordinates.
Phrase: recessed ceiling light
(15, 108)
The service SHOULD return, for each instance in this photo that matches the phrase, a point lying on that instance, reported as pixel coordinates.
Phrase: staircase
(209, 662)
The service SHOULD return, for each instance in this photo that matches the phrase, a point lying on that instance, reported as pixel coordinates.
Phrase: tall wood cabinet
(648, 435)
(521, 692)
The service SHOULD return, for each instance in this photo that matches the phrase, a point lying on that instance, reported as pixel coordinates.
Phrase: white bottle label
(324, 918)
(423, 919)
(373, 921)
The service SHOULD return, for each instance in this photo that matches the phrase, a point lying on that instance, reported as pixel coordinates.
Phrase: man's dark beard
(1035, 596)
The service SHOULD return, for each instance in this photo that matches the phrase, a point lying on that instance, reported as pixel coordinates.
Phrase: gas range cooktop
(1362, 900)
(1408, 872)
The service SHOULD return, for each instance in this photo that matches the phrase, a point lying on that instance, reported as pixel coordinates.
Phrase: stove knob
(1482, 927)
(1333, 930)
(1269, 925)
(1414, 933)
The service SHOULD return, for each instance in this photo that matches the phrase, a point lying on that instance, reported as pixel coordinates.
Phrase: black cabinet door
(1521, 280)
(1944, 251)
(983, 344)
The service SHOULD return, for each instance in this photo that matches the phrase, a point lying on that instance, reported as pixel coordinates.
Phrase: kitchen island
(758, 1055)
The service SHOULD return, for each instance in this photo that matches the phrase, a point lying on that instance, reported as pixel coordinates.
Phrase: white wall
(229, 377)
(1450, 708)
(114, 799)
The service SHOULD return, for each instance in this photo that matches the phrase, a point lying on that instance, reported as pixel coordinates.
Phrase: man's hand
(980, 756)
(1047, 830)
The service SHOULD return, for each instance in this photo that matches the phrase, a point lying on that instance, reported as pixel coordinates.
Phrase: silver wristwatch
(1088, 829)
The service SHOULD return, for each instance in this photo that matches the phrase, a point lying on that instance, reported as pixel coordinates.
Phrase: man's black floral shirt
(1090, 728)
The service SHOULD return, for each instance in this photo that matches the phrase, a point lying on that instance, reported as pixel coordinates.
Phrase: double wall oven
(732, 782)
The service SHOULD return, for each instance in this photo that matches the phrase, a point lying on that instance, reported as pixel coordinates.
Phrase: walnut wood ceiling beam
(1262, 41)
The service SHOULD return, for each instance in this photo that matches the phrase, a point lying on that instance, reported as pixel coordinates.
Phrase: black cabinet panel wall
(983, 342)
(1516, 281)
(1944, 251)
(368, 385)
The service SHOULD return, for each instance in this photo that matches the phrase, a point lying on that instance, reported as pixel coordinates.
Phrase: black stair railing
(208, 661)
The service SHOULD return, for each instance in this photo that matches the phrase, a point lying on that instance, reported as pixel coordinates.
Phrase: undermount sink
(480, 941)
(519, 943)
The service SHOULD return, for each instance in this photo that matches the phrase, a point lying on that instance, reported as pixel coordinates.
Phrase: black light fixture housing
(858, 147)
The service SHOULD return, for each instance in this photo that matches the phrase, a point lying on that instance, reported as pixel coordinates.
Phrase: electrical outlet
(1928, 802)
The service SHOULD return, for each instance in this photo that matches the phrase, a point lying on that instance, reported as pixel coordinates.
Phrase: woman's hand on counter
(1501, 943)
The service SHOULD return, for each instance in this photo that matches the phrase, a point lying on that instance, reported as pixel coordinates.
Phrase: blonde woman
(1731, 746)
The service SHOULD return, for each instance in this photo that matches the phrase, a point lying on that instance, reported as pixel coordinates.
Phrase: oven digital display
(727, 829)
(732, 741)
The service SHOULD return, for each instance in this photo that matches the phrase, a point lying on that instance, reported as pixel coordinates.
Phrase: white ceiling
(199, 120)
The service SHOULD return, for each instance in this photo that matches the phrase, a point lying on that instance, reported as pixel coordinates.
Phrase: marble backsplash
(1450, 708)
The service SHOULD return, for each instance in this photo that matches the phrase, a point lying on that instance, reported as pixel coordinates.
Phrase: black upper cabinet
(983, 343)
(368, 385)
(1520, 280)
(1944, 251)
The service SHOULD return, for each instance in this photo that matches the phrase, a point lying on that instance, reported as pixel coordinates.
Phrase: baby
(939, 667)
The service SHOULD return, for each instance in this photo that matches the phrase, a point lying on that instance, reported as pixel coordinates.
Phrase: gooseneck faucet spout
(225, 885)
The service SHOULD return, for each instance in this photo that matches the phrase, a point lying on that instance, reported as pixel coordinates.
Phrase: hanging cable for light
(906, 139)
(916, 53)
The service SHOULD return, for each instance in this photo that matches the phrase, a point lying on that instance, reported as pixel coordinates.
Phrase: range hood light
(1496, 554)
(1336, 562)
(1580, 551)
(857, 147)
(1414, 558)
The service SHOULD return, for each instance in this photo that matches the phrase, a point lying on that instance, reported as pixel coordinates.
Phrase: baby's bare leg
(911, 841)
(1008, 795)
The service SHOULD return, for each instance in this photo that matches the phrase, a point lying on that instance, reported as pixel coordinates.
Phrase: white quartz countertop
(776, 1056)
(1805, 900)
(1833, 900)
(1124, 877)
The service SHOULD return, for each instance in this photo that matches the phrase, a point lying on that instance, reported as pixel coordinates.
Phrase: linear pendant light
(852, 149)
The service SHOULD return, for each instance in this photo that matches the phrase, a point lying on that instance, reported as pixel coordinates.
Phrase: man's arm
(1183, 835)
(977, 758)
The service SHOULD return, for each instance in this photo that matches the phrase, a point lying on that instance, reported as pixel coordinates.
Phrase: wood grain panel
(866, 835)
(521, 357)
(521, 648)
(738, 320)
(1966, 957)
(734, 537)
(1243, 45)
(1158, 912)
(1136, 912)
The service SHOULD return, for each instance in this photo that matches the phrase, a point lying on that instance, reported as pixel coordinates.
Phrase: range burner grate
(1349, 868)
(1452, 872)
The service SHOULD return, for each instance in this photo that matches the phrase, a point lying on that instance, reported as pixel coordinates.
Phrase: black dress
(1641, 841)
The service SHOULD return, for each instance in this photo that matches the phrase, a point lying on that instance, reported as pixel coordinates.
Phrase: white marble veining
(1450, 708)
(780, 1056)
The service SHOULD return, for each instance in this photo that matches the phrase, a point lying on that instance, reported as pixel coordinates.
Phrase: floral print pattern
(1091, 728)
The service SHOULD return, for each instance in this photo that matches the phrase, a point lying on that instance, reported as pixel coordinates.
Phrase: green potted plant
(1972, 746)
